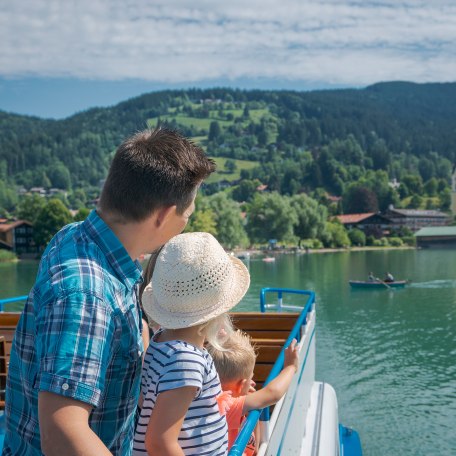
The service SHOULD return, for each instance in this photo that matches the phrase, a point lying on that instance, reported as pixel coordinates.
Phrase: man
(389, 277)
(74, 373)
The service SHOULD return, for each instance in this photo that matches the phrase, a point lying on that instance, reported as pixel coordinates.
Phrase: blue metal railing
(280, 291)
(11, 300)
(249, 424)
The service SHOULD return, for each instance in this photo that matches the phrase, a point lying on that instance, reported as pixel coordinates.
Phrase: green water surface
(390, 354)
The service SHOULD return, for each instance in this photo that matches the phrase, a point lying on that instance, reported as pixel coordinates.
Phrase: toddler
(194, 283)
(235, 364)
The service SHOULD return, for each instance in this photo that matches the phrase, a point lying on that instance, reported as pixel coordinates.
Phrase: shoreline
(266, 251)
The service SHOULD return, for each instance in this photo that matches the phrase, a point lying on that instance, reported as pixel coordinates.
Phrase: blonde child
(194, 283)
(235, 364)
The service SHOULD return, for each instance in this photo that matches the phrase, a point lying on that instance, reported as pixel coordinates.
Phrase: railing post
(255, 415)
(11, 300)
(262, 300)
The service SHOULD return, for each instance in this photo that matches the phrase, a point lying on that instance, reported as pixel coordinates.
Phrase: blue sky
(59, 57)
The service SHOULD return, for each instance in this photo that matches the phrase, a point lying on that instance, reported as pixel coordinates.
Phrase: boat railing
(255, 415)
(10, 301)
(280, 305)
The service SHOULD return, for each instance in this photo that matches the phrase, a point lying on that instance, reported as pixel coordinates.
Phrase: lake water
(390, 354)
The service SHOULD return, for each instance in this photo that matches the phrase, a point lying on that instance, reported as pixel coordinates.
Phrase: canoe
(377, 285)
(268, 259)
(305, 421)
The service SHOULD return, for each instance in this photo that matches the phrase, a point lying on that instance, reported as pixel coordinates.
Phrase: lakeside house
(436, 237)
(17, 236)
(414, 219)
(371, 223)
(382, 224)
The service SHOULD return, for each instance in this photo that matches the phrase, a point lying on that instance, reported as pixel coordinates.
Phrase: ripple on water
(434, 284)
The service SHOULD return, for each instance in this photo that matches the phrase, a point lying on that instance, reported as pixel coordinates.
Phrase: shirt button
(139, 353)
(65, 386)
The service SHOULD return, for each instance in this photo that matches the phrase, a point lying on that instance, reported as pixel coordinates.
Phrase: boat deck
(269, 333)
(8, 323)
(305, 421)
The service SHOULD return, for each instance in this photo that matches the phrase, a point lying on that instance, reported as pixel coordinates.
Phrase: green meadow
(220, 174)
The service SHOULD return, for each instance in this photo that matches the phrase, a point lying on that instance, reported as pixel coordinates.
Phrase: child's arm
(274, 391)
(166, 421)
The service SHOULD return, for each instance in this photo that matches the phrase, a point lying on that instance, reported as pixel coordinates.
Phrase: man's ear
(163, 214)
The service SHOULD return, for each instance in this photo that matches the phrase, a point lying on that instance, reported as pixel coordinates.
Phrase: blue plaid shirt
(79, 336)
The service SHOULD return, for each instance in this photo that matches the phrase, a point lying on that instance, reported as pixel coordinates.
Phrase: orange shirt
(233, 406)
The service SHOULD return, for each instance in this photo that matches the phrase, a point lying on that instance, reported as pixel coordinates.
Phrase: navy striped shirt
(177, 364)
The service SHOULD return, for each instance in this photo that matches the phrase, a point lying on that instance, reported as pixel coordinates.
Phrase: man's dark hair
(153, 169)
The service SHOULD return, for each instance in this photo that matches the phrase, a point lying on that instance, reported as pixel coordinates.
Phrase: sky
(58, 57)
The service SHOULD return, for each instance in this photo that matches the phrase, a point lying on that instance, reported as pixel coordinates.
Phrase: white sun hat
(194, 281)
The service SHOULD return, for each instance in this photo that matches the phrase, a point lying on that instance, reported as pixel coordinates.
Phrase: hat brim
(231, 294)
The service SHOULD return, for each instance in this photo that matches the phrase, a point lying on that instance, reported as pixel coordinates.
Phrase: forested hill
(297, 141)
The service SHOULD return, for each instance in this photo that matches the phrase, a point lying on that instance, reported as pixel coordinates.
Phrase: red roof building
(371, 223)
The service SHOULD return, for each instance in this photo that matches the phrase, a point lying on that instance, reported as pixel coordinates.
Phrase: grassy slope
(255, 115)
(221, 174)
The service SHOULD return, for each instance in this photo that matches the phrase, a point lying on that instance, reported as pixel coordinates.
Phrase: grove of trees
(308, 148)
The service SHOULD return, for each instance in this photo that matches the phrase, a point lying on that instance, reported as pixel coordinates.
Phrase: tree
(357, 237)
(430, 187)
(230, 166)
(8, 196)
(214, 131)
(270, 216)
(59, 176)
(77, 199)
(445, 199)
(414, 183)
(203, 219)
(51, 218)
(29, 207)
(335, 235)
(311, 217)
(415, 202)
(245, 190)
(82, 214)
(359, 199)
(230, 228)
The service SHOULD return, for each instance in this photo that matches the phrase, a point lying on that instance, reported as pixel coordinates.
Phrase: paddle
(384, 283)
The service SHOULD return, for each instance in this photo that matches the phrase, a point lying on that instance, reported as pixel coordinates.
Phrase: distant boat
(268, 259)
(377, 284)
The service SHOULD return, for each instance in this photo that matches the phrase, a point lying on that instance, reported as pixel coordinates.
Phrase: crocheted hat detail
(194, 281)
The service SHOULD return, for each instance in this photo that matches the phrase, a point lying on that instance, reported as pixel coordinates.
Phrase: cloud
(170, 41)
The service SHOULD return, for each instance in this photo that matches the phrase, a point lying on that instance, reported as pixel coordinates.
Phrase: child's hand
(252, 386)
(291, 355)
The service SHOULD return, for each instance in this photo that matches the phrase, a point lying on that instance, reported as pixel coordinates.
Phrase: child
(194, 283)
(235, 365)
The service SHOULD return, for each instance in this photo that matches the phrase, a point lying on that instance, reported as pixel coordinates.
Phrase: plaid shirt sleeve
(74, 342)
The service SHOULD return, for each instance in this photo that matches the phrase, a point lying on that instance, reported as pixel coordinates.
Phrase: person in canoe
(371, 277)
(388, 278)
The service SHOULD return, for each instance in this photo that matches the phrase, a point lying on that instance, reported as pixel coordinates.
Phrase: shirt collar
(127, 269)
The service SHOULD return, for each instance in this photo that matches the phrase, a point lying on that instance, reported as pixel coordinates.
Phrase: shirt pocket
(124, 371)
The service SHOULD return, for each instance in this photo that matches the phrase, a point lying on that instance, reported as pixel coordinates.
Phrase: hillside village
(318, 169)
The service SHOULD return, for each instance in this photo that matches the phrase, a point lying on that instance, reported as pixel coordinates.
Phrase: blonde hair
(237, 358)
(217, 331)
